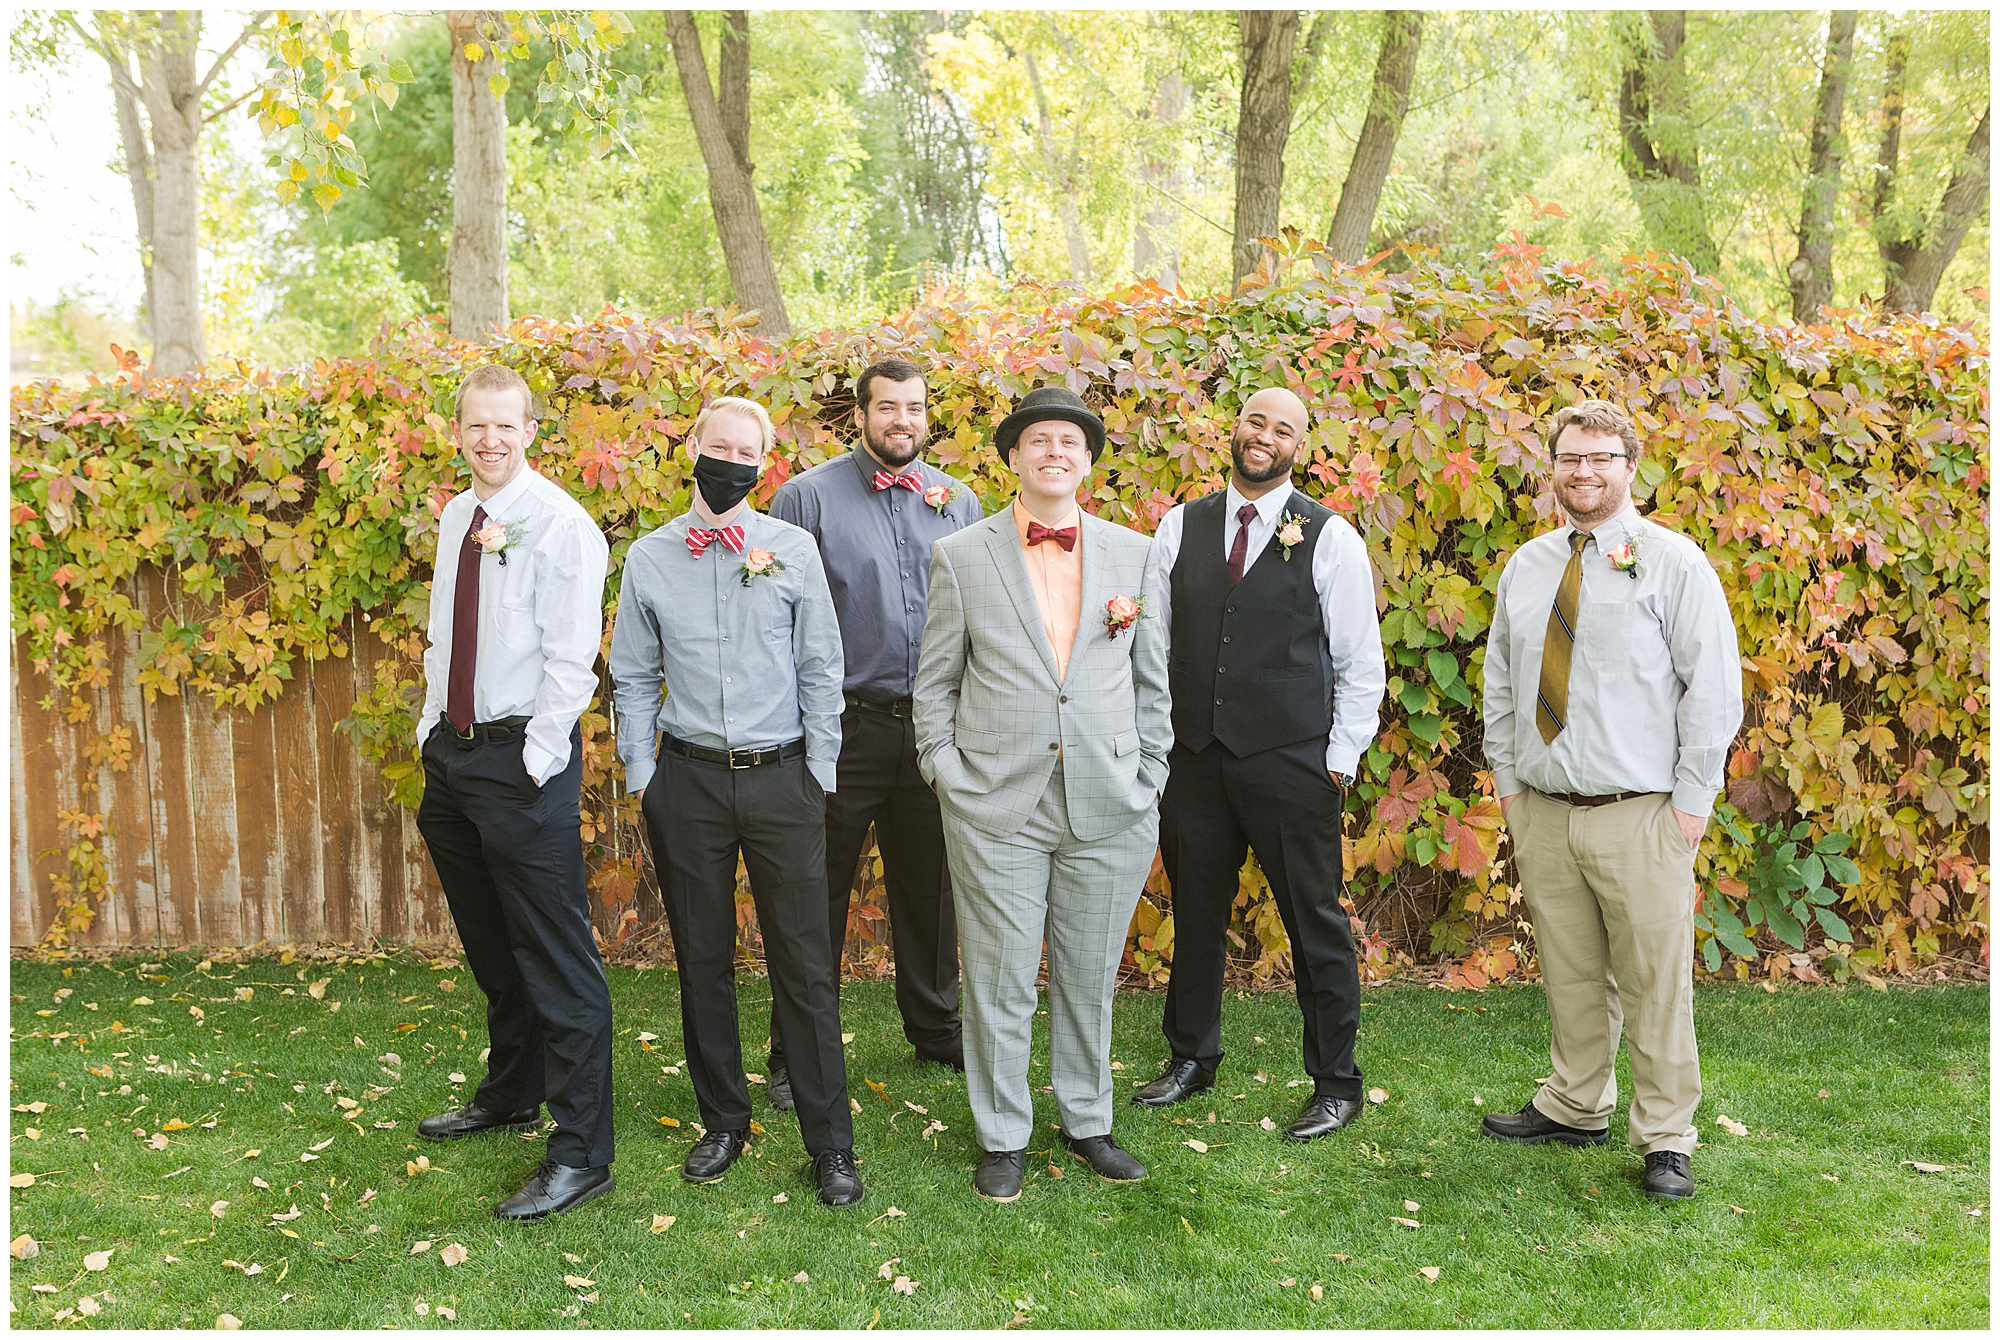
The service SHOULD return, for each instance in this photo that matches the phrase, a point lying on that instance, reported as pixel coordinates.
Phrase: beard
(1281, 464)
(893, 455)
(1610, 502)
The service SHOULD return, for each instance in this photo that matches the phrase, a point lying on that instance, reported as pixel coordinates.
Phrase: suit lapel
(1005, 543)
(1096, 555)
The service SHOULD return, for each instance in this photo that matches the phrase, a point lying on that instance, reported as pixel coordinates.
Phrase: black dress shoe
(552, 1190)
(1668, 1176)
(1105, 1158)
(1184, 1079)
(1000, 1174)
(713, 1154)
(1530, 1127)
(954, 1058)
(1323, 1116)
(781, 1089)
(839, 1180)
(472, 1119)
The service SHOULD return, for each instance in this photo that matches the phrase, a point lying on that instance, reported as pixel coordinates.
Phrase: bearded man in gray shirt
(1613, 690)
(728, 610)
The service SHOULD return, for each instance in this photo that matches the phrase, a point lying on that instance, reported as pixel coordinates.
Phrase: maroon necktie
(911, 481)
(1037, 532)
(1240, 551)
(464, 628)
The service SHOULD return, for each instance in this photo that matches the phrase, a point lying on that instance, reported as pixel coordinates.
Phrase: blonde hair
(733, 404)
(493, 377)
(1595, 416)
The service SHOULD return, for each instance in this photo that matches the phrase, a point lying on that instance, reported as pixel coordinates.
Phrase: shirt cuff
(1698, 801)
(825, 772)
(540, 763)
(638, 772)
(1343, 759)
(1505, 783)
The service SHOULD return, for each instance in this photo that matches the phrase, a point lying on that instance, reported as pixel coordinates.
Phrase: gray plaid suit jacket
(990, 711)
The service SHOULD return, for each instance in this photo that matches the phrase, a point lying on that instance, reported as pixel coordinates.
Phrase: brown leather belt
(1592, 802)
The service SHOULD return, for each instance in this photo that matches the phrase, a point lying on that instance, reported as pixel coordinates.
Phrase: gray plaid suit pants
(1042, 883)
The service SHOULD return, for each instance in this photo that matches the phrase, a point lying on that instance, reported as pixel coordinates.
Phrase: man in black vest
(1276, 673)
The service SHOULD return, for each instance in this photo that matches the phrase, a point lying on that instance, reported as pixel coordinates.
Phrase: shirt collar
(1022, 516)
(1267, 506)
(510, 498)
(868, 465)
(1624, 524)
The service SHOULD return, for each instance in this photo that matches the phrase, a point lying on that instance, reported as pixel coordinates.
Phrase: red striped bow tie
(1066, 537)
(699, 539)
(913, 481)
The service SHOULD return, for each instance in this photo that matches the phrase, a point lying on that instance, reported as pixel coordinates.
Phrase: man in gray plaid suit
(1043, 723)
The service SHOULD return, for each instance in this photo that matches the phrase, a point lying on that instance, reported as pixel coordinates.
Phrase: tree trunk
(1062, 176)
(1263, 123)
(1913, 265)
(172, 95)
(1361, 193)
(1156, 245)
(476, 264)
(739, 223)
(138, 171)
(1660, 154)
(1811, 274)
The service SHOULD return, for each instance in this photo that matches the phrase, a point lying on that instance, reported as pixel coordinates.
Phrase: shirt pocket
(1604, 629)
(970, 741)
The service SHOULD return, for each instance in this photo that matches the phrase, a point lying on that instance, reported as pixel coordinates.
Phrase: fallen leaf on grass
(318, 989)
(24, 1248)
(244, 993)
(802, 1277)
(251, 1153)
(1823, 1093)
(1412, 1206)
(662, 1222)
(754, 1079)
(1378, 1095)
(88, 1306)
(578, 1282)
(99, 1260)
(904, 1285)
(453, 1254)
(1287, 1282)
(288, 1215)
(1341, 1256)
(893, 1213)
(590, 1297)
(158, 1142)
(45, 1288)
(884, 1271)
(1738, 1209)
(1316, 1293)
(1733, 1127)
(1268, 1124)
(1430, 1273)
(421, 1164)
(142, 1000)
(1055, 1172)
(1924, 1167)
(1406, 1223)
(260, 1184)
(366, 1196)
(1196, 1145)
(456, 1077)
(447, 1314)
(219, 1209)
(21, 1180)
(669, 1121)
(389, 1059)
(226, 1322)
(780, 1199)
(417, 1248)
(422, 1309)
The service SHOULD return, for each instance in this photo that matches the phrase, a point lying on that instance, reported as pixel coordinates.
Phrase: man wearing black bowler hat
(516, 616)
(1277, 676)
(875, 512)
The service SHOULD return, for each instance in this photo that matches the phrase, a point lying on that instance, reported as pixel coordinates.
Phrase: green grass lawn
(1812, 1219)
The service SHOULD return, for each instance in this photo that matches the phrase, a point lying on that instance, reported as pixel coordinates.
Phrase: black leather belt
(1592, 802)
(737, 758)
(489, 732)
(901, 708)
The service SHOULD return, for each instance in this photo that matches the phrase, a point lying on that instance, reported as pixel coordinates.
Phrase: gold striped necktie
(1552, 699)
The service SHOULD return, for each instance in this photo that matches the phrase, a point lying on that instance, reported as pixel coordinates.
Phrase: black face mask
(723, 484)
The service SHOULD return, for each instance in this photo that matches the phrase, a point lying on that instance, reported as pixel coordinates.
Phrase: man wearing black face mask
(729, 611)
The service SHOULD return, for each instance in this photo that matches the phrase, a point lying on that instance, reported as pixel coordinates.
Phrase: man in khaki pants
(1613, 690)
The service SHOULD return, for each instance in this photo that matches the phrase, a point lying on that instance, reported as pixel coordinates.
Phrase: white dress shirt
(541, 617)
(1346, 588)
(1655, 683)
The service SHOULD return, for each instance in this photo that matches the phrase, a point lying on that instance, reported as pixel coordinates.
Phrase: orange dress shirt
(1057, 576)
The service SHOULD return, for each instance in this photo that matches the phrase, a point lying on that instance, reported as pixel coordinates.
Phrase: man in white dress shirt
(1276, 672)
(516, 617)
(1613, 690)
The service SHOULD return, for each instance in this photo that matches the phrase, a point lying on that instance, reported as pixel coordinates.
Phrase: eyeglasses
(1599, 460)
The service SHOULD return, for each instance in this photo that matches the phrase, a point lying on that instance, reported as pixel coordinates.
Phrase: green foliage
(281, 503)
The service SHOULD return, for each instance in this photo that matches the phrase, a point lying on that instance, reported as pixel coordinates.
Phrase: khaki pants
(1610, 889)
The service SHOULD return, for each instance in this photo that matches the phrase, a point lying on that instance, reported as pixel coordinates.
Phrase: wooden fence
(229, 827)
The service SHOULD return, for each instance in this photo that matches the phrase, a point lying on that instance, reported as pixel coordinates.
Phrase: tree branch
(112, 56)
(249, 30)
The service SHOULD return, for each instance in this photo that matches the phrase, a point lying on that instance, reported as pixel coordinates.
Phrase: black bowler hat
(1045, 403)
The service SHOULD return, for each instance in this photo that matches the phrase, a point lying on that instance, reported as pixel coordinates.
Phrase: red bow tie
(913, 481)
(699, 539)
(1066, 537)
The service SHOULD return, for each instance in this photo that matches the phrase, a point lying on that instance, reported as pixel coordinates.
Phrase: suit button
(1052, 745)
(1218, 702)
(1229, 609)
(1221, 669)
(1225, 637)
(1063, 699)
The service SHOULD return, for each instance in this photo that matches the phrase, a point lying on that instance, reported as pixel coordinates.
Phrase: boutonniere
(497, 537)
(757, 562)
(939, 497)
(1625, 558)
(1121, 612)
(1291, 531)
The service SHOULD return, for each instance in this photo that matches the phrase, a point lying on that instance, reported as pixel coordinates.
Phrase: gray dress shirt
(744, 666)
(877, 549)
(1655, 687)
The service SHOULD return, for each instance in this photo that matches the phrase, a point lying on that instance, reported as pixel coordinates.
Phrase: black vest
(1250, 665)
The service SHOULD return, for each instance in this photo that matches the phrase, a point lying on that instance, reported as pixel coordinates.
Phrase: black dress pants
(699, 817)
(1282, 805)
(510, 858)
(879, 784)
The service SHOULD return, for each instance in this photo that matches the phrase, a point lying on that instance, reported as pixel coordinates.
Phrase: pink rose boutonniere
(757, 562)
(1291, 531)
(939, 497)
(1625, 558)
(1121, 612)
(497, 537)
